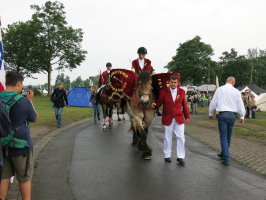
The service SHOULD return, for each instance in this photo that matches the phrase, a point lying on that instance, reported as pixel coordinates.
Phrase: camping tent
(258, 92)
(206, 87)
(261, 103)
(79, 97)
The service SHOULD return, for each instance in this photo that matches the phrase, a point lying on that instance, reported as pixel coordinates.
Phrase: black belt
(228, 112)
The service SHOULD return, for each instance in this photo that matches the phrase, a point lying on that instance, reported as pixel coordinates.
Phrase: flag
(217, 82)
(2, 64)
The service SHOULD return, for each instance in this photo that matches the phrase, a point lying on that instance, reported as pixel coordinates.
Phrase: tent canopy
(79, 97)
(206, 87)
(253, 88)
(261, 103)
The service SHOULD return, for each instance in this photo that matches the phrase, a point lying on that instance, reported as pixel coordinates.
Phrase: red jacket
(147, 65)
(173, 109)
(102, 78)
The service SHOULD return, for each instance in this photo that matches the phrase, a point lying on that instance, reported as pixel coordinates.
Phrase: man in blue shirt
(20, 115)
(5, 126)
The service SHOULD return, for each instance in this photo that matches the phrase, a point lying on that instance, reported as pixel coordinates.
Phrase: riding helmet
(108, 64)
(142, 50)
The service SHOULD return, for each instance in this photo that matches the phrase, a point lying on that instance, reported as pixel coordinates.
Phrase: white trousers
(180, 139)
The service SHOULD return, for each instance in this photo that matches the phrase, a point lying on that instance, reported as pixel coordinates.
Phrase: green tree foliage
(77, 82)
(257, 59)
(235, 65)
(96, 80)
(19, 40)
(191, 61)
(58, 45)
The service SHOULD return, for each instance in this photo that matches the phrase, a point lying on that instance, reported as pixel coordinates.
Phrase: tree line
(44, 43)
(193, 62)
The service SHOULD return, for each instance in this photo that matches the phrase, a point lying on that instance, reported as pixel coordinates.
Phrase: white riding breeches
(180, 139)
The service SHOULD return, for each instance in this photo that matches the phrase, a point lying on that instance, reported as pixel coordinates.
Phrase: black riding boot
(122, 110)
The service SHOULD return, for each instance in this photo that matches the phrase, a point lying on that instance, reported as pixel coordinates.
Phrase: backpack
(195, 99)
(189, 98)
(10, 141)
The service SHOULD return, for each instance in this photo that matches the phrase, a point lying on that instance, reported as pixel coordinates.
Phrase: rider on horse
(142, 64)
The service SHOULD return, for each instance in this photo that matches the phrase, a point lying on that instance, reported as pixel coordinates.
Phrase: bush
(36, 92)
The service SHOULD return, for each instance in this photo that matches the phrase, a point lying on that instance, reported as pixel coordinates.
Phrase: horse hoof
(109, 126)
(147, 157)
(124, 118)
(119, 119)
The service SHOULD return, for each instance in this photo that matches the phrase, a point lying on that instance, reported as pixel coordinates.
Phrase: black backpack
(189, 98)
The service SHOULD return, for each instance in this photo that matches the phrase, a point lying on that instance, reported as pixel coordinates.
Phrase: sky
(115, 29)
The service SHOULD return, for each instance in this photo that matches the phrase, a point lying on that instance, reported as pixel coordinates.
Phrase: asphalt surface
(86, 162)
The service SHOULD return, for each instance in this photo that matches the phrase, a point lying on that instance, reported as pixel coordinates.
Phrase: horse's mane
(144, 77)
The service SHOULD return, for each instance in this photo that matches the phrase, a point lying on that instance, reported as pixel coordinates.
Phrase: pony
(140, 110)
(106, 103)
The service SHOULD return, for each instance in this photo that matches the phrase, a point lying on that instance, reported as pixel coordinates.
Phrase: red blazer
(147, 65)
(102, 78)
(173, 109)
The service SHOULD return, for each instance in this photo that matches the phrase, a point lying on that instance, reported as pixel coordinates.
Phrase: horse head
(144, 88)
(107, 81)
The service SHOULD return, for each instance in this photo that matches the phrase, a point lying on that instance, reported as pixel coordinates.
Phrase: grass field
(259, 124)
(46, 115)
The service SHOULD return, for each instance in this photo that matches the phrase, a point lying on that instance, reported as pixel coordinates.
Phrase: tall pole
(251, 74)
(209, 73)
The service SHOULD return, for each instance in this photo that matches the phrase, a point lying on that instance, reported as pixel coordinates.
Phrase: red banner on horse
(122, 83)
(161, 81)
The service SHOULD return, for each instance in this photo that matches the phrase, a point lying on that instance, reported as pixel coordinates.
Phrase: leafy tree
(257, 59)
(58, 45)
(20, 40)
(191, 61)
(77, 82)
(96, 80)
(45, 85)
(235, 65)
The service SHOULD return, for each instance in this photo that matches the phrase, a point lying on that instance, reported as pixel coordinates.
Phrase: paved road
(86, 162)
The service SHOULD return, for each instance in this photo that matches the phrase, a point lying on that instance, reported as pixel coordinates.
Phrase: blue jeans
(226, 122)
(96, 108)
(248, 112)
(253, 112)
(58, 112)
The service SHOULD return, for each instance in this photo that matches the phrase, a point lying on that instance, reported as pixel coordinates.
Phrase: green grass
(259, 121)
(239, 131)
(46, 115)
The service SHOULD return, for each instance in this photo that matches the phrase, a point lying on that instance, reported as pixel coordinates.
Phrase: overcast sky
(115, 29)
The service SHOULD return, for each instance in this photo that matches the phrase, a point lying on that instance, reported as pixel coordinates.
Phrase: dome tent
(79, 97)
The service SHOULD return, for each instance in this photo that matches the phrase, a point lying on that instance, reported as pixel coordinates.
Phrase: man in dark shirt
(60, 95)
(5, 126)
(20, 115)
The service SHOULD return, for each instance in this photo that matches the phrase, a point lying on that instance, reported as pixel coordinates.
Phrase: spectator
(253, 107)
(60, 95)
(96, 105)
(20, 114)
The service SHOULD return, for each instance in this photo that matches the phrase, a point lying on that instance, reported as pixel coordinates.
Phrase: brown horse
(106, 103)
(139, 109)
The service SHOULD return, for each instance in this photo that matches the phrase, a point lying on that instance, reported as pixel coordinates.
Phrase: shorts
(16, 166)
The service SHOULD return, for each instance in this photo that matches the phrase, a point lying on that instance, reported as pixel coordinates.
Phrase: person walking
(173, 99)
(96, 105)
(228, 102)
(58, 97)
(18, 161)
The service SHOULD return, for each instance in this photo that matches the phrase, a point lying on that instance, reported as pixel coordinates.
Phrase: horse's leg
(104, 116)
(118, 111)
(110, 116)
(146, 151)
(136, 139)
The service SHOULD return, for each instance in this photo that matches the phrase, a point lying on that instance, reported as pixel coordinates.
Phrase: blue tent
(79, 97)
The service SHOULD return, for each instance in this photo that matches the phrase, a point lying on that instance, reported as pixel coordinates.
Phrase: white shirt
(141, 63)
(174, 93)
(108, 71)
(227, 98)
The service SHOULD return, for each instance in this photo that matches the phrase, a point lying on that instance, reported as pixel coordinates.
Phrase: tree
(235, 65)
(77, 82)
(191, 60)
(96, 80)
(57, 44)
(20, 40)
(257, 59)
